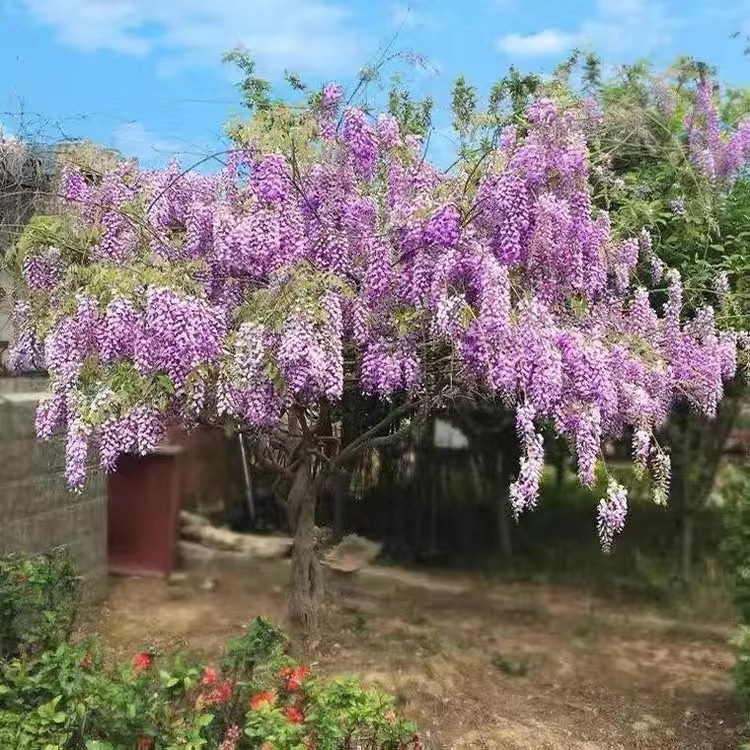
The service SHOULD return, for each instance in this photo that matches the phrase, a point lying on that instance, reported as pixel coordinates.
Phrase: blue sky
(144, 76)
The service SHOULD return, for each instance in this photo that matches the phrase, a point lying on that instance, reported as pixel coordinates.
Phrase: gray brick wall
(37, 511)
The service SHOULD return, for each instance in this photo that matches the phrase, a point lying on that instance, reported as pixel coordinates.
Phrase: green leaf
(205, 719)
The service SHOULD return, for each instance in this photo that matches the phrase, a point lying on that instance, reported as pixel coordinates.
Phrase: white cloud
(133, 140)
(617, 27)
(313, 36)
(547, 42)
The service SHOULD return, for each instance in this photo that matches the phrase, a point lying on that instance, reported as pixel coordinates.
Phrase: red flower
(220, 694)
(210, 676)
(417, 741)
(293, 677)
(266, 746)
(144, 743)
(86, 661)
(20, 579)
(266, 698)
(294, 715)
(141, 661)
(390, 717)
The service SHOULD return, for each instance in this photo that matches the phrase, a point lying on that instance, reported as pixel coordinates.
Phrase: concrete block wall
(37, 511)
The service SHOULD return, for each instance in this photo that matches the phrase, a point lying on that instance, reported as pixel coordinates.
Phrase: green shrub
(742, 665)
(61, 695)
(39, 599)
(734, 493)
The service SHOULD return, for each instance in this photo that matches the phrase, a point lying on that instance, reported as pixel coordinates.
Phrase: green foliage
(463, 104)
(414, 116)
(261, 646)
(302, 289)
(294, 81)
(67, 698)
(111, 391)
(255, 91)
(642, 149)
(510, 95)
(742, 667)
(735, 493)
(41, 230)
(38, 602)
(51, 230)
(56, 694)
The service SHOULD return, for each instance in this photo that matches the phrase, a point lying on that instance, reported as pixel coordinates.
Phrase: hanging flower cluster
(278, 283)
(719, 154)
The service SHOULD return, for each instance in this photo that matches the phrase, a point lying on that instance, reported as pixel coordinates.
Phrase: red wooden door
(144, 513)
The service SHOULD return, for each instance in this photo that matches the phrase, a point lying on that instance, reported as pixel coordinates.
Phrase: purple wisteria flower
(280, 285)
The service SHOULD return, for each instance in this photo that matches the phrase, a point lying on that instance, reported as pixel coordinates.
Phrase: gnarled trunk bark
(305, 587)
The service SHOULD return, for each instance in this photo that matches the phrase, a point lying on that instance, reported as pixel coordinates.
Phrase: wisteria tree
(339, 262)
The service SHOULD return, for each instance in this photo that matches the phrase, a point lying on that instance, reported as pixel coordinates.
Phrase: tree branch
(271, 466)
(394, 437)
(366, 438)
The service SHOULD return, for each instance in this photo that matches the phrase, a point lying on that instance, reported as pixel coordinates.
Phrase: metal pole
(249, 499)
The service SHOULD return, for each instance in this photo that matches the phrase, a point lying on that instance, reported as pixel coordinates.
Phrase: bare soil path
(478, 664)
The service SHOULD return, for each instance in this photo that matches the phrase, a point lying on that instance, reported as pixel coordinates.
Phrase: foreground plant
(58, 693)
(310, 275)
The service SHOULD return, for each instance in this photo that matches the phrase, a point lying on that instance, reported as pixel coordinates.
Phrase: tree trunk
(340, 489)
(560, 464)
(503, 512)
(697, 447)
(686, 544)
(433, 482)
(305, 585)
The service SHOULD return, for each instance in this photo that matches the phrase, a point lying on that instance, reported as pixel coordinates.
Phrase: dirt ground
(477, 663)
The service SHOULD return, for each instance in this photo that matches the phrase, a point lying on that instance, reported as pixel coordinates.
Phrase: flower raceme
(293, 715)
(292, 677)
(141, 661)
(278, 283)
(719, 155)
(210, 676)
(220, 694)
(259, 700)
